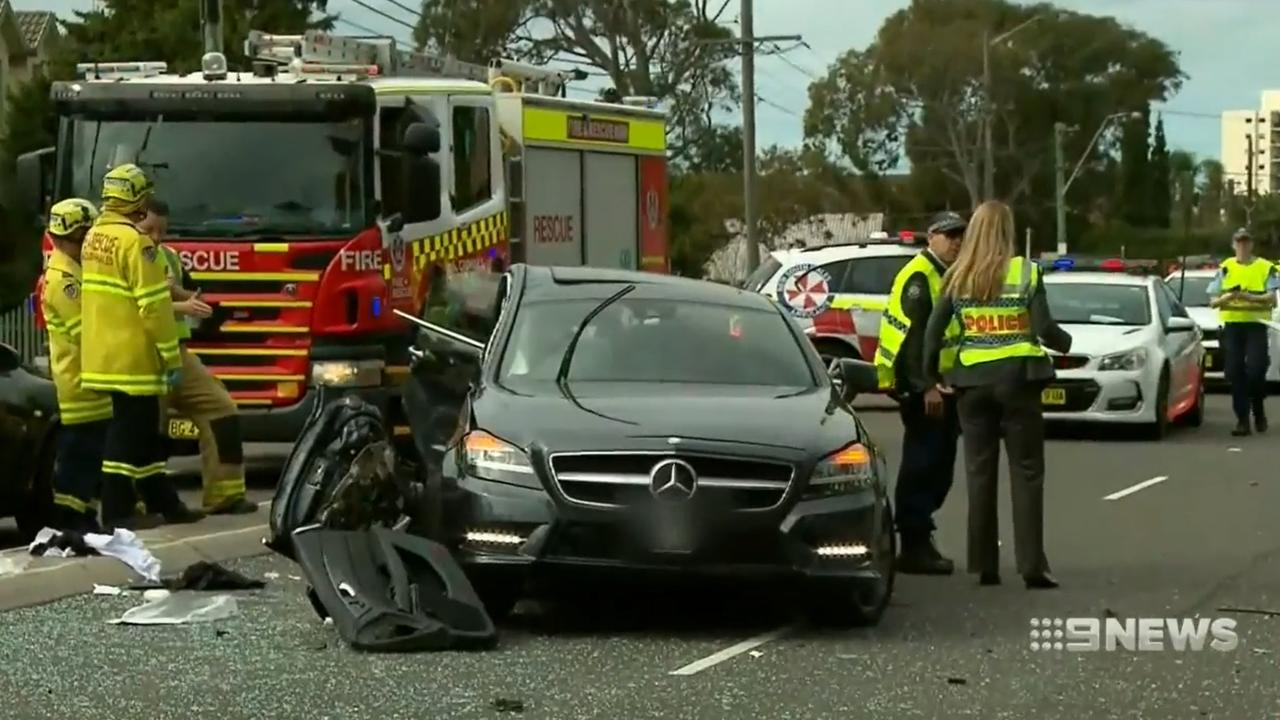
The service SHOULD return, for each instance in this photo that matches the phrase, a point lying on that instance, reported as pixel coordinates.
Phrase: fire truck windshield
(235, 179)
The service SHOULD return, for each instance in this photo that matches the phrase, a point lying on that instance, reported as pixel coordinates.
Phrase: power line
(415, 13)
(811, 75)
(375, 10)
(368, 30)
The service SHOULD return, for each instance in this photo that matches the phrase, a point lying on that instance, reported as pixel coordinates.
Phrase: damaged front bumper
(498, 529)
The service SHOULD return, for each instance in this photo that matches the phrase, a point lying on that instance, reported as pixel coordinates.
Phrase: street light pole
(1060, 184)
(988, 112)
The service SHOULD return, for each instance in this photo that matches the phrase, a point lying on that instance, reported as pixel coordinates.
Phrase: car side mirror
(420, 139)
(421, 183)
(854, 377)
(34, 175)
(1180, 325)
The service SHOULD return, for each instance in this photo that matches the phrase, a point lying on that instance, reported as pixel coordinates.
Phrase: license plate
(672, 534)
(1053, 396)
(183, 430)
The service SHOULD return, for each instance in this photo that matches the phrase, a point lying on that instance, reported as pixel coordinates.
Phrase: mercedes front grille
(620, 479)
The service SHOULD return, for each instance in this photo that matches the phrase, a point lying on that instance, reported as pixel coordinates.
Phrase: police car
(1193, 287)
(1136, 354)
(837, 292)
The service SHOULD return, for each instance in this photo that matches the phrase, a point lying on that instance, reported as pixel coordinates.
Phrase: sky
(1223, 47)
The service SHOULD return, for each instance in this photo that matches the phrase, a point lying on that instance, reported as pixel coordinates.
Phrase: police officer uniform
(1245, 334)
(129, 350)
(202, 398)
(928, 443)
(999, 374)
(84, 414)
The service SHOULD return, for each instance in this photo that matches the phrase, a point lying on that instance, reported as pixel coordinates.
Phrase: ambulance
(316, 193)
(837, 292)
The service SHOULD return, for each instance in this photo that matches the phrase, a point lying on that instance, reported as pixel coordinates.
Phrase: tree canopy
(904, 98)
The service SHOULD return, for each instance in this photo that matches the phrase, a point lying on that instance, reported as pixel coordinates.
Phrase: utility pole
(1060, 184)
(1249, 158)
(211, 25)
(749, 136)
(747, 44)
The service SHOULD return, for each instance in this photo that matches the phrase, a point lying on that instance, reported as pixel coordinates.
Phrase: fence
(18, 330)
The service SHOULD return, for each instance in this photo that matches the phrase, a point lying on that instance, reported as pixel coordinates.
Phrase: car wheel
(862, 604)
(499, 598)
(1195, 418)
(36, 511)
(1160, 428)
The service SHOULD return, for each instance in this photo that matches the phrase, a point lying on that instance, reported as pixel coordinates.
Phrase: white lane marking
(711, 660)
(1135, 488)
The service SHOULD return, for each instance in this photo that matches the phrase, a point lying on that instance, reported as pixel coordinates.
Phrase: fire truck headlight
(347, 373)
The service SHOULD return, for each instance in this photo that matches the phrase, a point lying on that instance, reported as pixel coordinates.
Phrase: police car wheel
(1195, 416)
(1160, 428)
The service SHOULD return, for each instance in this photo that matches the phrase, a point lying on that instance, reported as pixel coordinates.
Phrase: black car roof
(542, 280)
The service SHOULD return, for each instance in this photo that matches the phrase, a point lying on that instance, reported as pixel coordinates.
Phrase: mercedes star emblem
(673, 480)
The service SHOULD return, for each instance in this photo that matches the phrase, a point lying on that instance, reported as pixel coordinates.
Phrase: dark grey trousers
(1012, 412)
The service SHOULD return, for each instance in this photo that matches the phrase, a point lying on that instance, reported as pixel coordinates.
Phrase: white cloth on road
(180, 608)
(122, 545)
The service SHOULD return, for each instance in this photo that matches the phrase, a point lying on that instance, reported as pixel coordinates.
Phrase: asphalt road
(1202, 538)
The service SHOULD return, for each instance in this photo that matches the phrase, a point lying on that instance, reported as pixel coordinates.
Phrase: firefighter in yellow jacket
(84, 414)
(129, 350)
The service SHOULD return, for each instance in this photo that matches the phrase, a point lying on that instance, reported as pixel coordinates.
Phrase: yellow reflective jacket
(130, 339)
(1000, 329)
(894, 323)
(60, 304)
(1251, 278)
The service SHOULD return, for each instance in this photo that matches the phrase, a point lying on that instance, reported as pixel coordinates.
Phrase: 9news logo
(1082, 634)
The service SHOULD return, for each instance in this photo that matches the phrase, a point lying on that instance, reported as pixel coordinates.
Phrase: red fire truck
(318, 192)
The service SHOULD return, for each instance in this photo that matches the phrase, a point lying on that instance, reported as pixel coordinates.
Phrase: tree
(1135, 180)
(1213, 194)
(654, 48)
(1183, 173)
(917, 90)
(29, 120)
(1160, 193)
(170, 31)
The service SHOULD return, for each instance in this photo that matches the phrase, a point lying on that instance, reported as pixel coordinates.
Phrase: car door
(864, 292)
(450, 346)
(1180, 347)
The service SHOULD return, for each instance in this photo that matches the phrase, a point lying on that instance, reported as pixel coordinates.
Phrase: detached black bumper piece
(388, 591)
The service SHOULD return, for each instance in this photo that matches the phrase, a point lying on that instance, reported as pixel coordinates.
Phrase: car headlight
(347, 373)
(844, 471)
(486, 457)
(1134, 359)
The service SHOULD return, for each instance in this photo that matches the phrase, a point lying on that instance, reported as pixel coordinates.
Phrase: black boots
(1043, 581)
(921, 557)
(235, 506)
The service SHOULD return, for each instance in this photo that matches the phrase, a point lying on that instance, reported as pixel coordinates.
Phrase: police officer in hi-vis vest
(929, 422)
(1244, 292)
(999, 373)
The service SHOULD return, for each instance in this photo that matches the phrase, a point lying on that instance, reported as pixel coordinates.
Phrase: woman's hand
(194, 307)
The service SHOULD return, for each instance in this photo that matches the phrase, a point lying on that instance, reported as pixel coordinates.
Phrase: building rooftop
(35, 25)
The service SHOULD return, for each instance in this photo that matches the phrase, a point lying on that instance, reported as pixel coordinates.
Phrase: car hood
(624, 416)
(1205, 317)
(1098, 340)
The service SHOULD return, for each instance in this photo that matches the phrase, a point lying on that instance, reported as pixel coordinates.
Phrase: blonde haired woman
(999, 303)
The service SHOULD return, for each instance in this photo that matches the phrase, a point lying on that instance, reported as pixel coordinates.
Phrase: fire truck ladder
(316, 53)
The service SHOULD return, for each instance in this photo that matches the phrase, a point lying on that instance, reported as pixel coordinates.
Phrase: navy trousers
(1245, 357)
(77, 473)
(928, 463)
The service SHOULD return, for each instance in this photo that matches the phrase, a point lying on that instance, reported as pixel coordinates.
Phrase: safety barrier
(18, 330)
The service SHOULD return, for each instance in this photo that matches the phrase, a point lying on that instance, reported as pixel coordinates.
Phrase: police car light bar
(335, 71)
(120, 70)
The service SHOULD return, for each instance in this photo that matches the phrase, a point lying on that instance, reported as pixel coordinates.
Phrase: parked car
(622, 422)
(28, 427)
(1136, 356)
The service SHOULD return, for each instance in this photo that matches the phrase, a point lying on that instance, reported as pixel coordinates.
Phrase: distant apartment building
(1251, 139)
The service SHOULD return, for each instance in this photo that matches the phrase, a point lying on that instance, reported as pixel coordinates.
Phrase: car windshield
(647, 340)
(1194, 291)
(226, 179)
(1098, 303)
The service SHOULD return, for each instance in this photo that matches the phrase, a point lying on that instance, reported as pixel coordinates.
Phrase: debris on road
(1261, 651)
(756, 653)
(508, 705)
(180, 608)
(957, 681)
(1250, 611)
(122, 545)
(271, 576)
(106, 590)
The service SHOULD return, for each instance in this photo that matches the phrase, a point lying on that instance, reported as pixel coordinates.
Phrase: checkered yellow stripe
(460, 242)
